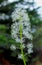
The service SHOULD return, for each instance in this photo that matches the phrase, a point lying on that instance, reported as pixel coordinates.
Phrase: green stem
(23, 57)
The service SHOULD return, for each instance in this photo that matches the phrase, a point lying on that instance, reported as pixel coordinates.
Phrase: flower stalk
(23, 57)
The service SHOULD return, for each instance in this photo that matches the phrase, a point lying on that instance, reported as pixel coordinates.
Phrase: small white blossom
(30, 48)
(20, 56)
(17, 39)
(30, 51)
(13, 47)
(29, 45)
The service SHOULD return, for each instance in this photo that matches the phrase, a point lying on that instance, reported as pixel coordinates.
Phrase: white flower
(22, 17)
(20, 56)
(18, 13)
(30, 51)
(29, 45)
(30, 48)
(17, 39)
(13, 47)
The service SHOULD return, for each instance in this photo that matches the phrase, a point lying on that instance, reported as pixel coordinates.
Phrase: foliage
(37, 40)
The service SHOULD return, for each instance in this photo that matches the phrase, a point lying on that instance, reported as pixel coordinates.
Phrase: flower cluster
(30, 47)
(20, 16)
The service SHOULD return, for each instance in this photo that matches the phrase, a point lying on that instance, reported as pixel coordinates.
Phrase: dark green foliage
(37, 40)
(35, 17)
(1, 1)
(5, 24)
